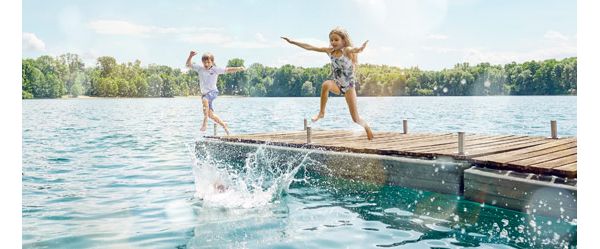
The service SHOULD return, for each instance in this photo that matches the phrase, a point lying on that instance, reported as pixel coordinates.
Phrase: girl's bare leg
(216, 118)
(205, 110)
(326, 87)
(351, 101)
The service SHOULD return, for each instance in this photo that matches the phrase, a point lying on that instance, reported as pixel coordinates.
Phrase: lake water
(102, 173)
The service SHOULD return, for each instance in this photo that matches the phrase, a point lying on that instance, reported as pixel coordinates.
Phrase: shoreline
(238, 96)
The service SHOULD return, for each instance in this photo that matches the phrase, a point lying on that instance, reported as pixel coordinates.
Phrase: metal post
(305, 124)
(405, 126)
(308, 134)
(215, 129)
(461, 143)
(553, 130)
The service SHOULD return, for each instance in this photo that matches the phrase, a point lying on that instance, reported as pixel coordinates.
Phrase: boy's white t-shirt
(208, 77)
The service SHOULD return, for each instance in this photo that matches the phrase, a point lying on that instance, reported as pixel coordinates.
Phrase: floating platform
(525, 173)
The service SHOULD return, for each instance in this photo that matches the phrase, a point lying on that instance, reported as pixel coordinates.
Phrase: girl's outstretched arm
(306, 46)
(360, 49)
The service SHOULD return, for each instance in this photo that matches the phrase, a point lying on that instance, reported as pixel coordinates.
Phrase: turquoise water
(119, 173)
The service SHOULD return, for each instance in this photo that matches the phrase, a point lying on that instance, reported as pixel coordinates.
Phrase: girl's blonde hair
(347, 41)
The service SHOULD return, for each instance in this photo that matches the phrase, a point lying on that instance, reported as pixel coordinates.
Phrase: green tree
(307, 89)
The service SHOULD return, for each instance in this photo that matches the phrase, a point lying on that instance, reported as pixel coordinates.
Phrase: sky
(429, 34)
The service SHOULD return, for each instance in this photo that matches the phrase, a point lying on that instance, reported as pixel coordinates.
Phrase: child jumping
(343, 61)
(208, 74)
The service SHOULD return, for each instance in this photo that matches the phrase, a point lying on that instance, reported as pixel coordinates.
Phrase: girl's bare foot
(226, 128)
(317, 117)
(203, 128)
(369, 132)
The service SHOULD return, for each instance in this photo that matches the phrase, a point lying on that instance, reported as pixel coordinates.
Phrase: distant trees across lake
(54, 77)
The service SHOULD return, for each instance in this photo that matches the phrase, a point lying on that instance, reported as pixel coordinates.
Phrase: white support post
(405, 126)
(215, 129)
(461, 143)
(553, 129)
(308, 134)
(305, 124)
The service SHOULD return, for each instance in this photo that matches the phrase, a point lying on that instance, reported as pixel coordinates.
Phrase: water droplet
(532, 223)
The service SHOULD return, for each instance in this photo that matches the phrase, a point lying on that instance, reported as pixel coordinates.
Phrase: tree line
(54, 77)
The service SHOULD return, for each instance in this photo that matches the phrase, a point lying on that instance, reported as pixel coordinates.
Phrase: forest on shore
(55, 77)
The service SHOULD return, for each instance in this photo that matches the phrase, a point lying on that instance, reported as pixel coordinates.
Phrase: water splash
(262, 179)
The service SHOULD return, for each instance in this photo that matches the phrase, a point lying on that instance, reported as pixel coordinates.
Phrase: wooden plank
(428, 141)
(498, 145)
(471, 144)
(545, 157)
(301, 137)
(567, 167)
(556, 162)
(506, 156)
(534, 154)
(398, 142)
(495, 149)
(381, 144)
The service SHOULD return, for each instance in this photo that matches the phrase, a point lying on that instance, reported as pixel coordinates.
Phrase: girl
(343, 61)
(208, 75)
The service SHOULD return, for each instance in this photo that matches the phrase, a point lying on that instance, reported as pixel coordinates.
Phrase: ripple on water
(114, 173)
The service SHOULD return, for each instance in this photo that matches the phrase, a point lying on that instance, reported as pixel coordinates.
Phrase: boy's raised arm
(188, 63)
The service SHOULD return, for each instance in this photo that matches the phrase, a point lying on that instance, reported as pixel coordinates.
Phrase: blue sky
(430, 34)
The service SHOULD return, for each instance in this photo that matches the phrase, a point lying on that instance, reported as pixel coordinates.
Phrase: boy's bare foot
(369, 133)
(203, 128)
(318, 116)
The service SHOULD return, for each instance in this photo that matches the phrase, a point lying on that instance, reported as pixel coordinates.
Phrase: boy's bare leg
(328, 85)
(216, 118)
(351, 101)
(205, 110)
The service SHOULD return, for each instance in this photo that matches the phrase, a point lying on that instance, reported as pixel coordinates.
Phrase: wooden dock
(530, 154)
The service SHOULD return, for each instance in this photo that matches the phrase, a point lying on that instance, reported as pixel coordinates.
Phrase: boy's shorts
(210, 96)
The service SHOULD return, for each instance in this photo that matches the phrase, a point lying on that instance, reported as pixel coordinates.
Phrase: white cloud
(196, 35)
(473, 55)
(437, 37)
(555, 35)
(477, 55)
(206, 38)
(246, 44)
(441, 50)
(118, 27)
(32, 43)
(260, 37)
